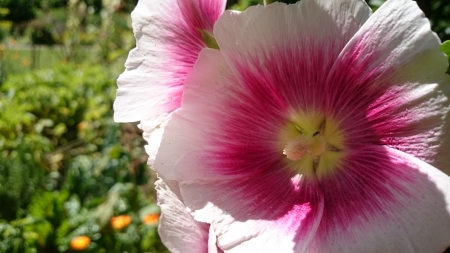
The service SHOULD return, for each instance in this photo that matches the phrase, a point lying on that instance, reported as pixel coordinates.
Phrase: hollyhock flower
(169, 35)
(317, 127)
(178, 230)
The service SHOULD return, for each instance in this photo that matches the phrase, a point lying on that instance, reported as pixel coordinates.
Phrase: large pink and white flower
(317, 127)
(168, 40)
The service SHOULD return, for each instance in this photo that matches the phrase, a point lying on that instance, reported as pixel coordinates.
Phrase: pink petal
(255, 204)
(384, 200)
(201, 14)
(178, 230)
(392, 75)
(168, 42)
(192, 136)
(284, 52)
(274, 212)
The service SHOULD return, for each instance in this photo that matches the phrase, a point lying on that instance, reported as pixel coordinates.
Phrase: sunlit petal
(177, 229)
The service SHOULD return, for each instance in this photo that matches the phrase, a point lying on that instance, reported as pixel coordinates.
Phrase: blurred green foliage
(66, 168)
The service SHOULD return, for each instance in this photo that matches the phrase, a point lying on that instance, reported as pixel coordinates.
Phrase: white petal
(212, 242)
(177, 229)
(153, 135)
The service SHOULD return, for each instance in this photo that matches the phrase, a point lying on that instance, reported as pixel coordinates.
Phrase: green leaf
(445, 48)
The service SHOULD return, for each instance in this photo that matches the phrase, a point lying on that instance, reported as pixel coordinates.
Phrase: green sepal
(209, 39)
(445, 48)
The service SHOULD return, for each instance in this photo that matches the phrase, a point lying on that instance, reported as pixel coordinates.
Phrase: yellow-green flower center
(312, 144)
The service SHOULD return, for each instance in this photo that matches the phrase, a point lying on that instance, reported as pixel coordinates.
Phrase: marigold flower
(120, 222)
(151, 219)
(80, 242)
(317, 127)
(168, 40)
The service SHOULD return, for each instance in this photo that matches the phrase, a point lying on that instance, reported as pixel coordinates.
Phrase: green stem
(267, 2)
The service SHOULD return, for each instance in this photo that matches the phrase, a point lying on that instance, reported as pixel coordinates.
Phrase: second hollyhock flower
(169, 36)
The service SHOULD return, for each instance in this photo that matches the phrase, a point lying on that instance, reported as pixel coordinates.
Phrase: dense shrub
(67, 168)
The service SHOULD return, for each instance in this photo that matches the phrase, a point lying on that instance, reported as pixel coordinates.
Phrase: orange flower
(151, 219)
(80, 242)
(121, 221)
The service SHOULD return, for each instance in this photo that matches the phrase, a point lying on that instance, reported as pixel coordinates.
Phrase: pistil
(304, 145)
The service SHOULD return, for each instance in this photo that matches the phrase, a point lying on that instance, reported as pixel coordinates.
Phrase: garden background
(71, 179)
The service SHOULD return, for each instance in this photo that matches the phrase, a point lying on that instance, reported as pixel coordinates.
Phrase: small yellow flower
(121, 221)
(80, 242)
(151, 219)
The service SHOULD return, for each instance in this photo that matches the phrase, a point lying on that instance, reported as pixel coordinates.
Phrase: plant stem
(267, 2)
